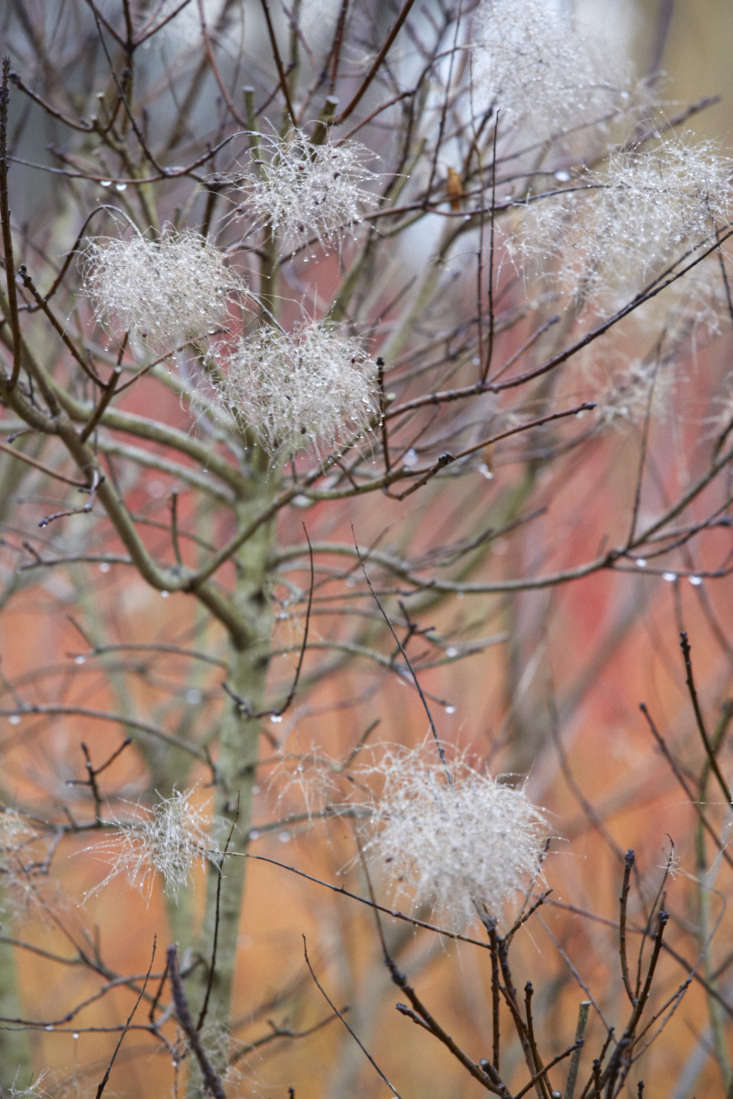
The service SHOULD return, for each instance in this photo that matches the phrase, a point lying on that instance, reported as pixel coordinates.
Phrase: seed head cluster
(451, 838)
(313, 387)
(301, 190)
(162, 291)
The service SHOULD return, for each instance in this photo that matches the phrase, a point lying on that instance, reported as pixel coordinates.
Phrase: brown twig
(211, 1079)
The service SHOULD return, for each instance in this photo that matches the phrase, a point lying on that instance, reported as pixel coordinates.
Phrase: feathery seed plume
(163, 292)
(450, 837)
(313, 387)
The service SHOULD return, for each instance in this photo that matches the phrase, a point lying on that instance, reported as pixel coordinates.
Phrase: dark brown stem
(5, 226)
(212, 1082)
(623, 909)
(690, 681)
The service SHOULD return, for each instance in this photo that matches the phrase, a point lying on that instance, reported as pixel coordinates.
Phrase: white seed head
(21, 858)
(313, 387)
(168, 840)
(311, 777)
(38, 1089)
(543, 69)
(301, 190)
(615, 230)
(163, 292)
(451, 838)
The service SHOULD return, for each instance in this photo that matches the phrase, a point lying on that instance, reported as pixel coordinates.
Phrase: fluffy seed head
(163, 292)
(36, 1090)
(20, 862)
(312, 387)
(450, 837)
(613, 231)
(301, 190)
(543, 69)
(167, 840)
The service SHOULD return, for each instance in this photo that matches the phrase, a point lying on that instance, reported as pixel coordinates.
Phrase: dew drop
(75, 1035)
(696, 581)
(276, 718)
(640, 562)
(670, 577)
(49, 1026)
(14, 719)
(411, 458)
(254, 834)
(476, 361)
(164, 594)
(80, 660)
(450, 709)
(484, 470)
(562, 176)
(105, 183)
(104, 567)
(120, 186)
(451, 652)
(284, 837)
(302, 502)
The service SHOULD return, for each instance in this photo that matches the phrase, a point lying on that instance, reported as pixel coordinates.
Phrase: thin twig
(403, 654)
(583, 1011)
(623, 908)
(211, 1079)
(7, 236)
(376, 64)
(103, 1082)
(340, 1015)
(690, 682)
(215, 939)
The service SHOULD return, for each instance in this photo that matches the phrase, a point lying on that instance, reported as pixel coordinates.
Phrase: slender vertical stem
(5, 225)
(629, 859)
(572, 1079)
